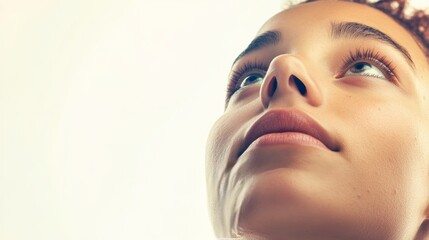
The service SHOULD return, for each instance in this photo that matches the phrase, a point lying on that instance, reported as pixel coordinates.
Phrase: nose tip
(287, 77)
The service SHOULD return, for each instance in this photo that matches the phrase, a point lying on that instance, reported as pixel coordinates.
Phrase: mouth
(287, 127)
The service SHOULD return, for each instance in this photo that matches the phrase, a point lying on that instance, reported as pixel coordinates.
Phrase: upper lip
(277, 121)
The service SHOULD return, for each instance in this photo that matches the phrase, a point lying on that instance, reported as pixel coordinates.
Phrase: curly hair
(414, 20)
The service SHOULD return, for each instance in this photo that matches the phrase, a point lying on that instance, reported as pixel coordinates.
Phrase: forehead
(307, 22)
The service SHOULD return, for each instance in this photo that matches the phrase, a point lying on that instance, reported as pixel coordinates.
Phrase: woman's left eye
(365, 69)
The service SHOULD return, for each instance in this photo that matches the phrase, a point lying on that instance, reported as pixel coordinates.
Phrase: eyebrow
(266, 39)
(358, 30)
(338, 30)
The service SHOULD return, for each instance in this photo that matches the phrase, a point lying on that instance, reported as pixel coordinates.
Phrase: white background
(105, 110)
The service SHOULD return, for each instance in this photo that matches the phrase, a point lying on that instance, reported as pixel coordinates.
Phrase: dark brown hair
(415, 21)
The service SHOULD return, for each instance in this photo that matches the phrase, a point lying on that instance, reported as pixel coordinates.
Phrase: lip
(288, 127)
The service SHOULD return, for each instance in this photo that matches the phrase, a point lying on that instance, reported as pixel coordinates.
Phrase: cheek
(221, 150)
(380, 128)
(218, 147)
(224, 141)
(227, 134)
(385, 146)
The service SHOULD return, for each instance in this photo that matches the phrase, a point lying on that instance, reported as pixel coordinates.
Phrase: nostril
(272, 87)
(299, 84)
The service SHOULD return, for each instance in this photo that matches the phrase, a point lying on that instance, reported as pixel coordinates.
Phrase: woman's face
(326, 134)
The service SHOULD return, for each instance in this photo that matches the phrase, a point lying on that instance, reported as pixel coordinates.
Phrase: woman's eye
(365, 69)
(252, 79)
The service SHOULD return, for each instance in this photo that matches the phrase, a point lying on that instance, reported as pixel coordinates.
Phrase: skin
(375, 186)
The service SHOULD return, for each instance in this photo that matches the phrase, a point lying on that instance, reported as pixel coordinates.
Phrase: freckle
(368, 191)
(358, 196)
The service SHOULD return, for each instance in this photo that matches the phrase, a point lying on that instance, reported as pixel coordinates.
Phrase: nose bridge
(288, 77)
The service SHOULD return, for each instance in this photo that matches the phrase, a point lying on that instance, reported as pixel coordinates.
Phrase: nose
(288, 78)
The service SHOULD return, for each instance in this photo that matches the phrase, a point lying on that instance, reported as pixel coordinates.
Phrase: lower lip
(287, 138)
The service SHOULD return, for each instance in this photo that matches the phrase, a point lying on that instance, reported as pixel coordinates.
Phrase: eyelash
(237, 75)
(370, 55)
(373, 57)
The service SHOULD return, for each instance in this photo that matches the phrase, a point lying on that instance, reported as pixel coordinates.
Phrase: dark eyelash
(370, 55)
(239, 72)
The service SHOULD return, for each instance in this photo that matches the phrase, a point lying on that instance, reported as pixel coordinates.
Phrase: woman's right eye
(253, 78)
(247, 74)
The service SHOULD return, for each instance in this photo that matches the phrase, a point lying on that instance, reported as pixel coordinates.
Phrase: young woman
(325, 133)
